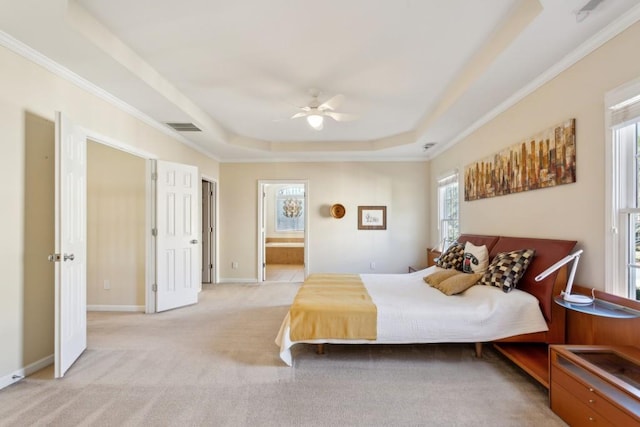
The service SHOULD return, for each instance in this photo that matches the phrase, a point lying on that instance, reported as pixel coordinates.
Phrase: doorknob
(68, 257)
(194, 241)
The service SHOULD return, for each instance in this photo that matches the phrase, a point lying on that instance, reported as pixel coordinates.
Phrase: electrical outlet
(234, 265)
(372, 265)
(107, 285)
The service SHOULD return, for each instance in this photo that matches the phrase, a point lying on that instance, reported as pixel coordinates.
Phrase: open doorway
(112, 207)
(116, 231)
(209, 232)
(141, 211)
(283, 231)
(130, 239)
(116, 196)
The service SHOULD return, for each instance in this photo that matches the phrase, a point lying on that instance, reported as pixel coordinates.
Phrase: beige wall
(572, 211)
(334, 245)
(38, 291)
(116, 196)
(30, 93)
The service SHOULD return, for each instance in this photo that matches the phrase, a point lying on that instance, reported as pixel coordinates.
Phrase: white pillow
(476, 258)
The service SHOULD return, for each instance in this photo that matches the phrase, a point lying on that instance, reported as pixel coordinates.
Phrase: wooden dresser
(595, 385)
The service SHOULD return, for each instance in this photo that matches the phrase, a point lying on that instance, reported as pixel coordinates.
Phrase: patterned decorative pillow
(452, 257)
(476, 258)
(507, 268)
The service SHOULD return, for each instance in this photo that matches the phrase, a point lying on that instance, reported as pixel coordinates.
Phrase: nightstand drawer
(583, 393)
(574, 412)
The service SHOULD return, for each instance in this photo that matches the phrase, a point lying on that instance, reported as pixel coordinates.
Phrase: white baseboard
(128, 308)
(16, 376)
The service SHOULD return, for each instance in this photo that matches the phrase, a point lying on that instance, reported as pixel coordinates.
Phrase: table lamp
(566, 294)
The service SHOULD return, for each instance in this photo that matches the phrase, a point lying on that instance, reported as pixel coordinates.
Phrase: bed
(408, 311)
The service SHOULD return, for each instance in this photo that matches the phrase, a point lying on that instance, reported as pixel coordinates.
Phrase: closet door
(70, 244)
(177, 244)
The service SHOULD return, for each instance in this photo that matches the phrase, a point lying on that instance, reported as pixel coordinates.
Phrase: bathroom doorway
(283, 231)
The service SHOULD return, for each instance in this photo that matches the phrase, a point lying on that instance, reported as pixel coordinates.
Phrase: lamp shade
(315, 121)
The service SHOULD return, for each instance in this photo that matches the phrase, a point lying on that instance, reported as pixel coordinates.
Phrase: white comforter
(410, 311)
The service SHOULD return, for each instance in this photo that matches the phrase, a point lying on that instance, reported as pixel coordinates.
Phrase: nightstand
(595, 385)
(432, 254)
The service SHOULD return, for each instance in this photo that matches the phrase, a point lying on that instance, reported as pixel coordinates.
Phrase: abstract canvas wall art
(544, 160)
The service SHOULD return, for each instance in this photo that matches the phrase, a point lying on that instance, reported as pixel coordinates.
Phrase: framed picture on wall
(372, 217)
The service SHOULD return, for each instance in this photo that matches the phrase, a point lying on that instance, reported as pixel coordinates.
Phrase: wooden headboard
(548, 252)
(479, 240)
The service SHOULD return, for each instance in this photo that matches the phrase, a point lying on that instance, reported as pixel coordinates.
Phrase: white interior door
(70, 244)
(263, 233)
(177, 246)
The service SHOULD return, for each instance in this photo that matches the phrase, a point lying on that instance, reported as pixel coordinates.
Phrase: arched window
(290, 209)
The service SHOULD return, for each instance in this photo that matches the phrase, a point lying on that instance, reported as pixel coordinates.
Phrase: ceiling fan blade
(341, 117)
(297, 115)
(332, 104)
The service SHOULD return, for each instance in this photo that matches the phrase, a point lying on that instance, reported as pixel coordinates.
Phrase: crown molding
(600, 38)
(340, 159)
(603, 36)
(52, 66)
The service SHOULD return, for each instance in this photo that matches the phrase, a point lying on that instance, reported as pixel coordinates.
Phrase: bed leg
(478, 349)
(320, 349)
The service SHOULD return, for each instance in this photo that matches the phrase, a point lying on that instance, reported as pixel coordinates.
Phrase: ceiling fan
(315, 111)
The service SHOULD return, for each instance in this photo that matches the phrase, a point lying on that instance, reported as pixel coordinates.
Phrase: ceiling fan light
(315, 121)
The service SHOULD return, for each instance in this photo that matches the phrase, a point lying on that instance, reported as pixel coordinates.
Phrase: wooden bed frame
(548, 252)
(530, 351)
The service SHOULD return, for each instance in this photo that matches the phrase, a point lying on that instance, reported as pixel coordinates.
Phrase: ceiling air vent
(428, 145)
(185, 127)
(589, 7)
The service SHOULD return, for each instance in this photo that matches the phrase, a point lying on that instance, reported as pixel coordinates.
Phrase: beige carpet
(216, 364)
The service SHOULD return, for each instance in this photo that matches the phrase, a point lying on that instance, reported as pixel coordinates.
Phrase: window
(448, 209)
(623, 240)
(290, 209)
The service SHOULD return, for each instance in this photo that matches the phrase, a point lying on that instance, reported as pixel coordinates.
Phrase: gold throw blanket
(333, 306)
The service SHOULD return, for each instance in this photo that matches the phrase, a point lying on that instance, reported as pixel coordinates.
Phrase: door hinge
(211, 266)
(154, 232)
(154, 176)
(154, 287)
